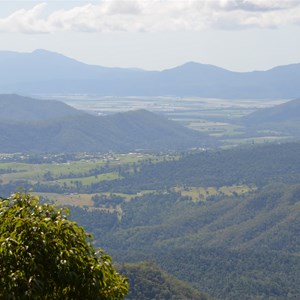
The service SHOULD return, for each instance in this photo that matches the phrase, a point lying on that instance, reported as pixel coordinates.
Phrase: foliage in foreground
(43, 255)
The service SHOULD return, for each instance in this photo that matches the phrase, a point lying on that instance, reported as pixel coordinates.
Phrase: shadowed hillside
(289, 111)
(51, 126)
(17, 108)
(148, 282)
(283, 118)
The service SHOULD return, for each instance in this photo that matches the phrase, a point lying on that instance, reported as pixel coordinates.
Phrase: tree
(43, 255)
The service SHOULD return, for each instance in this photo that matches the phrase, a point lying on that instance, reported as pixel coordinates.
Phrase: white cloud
(154, 16)
(25, 21)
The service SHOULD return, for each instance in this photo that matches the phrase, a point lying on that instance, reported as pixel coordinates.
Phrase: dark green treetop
(43, 255)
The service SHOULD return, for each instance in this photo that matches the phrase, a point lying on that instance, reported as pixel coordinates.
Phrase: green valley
(224, 221)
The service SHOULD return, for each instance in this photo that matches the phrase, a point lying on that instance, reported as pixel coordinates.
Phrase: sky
(239, 35)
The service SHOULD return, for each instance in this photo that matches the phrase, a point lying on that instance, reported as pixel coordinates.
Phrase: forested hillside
(259, 165)
(148, 282)
(56, 127)
(224, 221)
(232, 247)
(240, 247)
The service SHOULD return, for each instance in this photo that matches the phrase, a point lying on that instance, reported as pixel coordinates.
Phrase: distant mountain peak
(46, 54)
(37, 51)
(192, 67)
(43, 71)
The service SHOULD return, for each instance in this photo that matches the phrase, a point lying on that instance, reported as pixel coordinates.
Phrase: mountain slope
(284, 118)
(42, 65)
(64, 129)
(21, 109)
(264, 221)
(47, 72)
(289, 111)
(148, 282)
(256, 165)
(233, 247)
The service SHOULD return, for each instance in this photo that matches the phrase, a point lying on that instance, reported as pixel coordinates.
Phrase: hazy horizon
(143, 69)
(238, 35)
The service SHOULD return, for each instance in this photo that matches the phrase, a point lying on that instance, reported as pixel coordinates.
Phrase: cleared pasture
(83, 200)
(89, 179)
(203, 193)
(73, 170)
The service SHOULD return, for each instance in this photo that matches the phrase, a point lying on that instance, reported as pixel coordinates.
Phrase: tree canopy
(43, 255)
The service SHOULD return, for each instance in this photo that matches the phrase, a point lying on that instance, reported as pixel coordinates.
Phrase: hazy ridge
(54, 73)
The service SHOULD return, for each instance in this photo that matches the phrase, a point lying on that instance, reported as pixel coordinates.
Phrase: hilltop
(15, 108)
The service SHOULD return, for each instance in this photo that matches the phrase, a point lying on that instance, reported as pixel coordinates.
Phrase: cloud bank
(154, 16)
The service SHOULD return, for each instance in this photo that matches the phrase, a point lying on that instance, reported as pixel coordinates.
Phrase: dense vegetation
(148, 282)
(257, 165)
(225, 221)
(45, 256)
(254, 165)
(231, 248)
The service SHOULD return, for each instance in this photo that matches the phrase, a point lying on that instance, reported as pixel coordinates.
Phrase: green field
(89, 179)
(72, 170)
(71, 183)
(76, 173)
(254, 140)
(203, 193)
